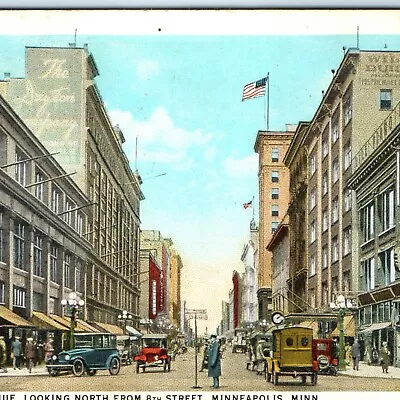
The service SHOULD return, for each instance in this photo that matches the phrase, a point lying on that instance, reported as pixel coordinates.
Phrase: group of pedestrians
(384, 356)
(19, 354)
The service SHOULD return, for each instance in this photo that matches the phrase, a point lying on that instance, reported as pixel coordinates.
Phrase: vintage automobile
(153, 352)
(92, 352)
(260, 344)
(291, 355)
(127, 347)
(325, 356)
(239, 343)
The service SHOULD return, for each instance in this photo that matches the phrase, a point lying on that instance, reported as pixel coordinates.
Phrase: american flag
(254, 89)
(247, 205)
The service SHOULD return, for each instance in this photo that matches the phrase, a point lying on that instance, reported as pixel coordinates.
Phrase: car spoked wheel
(54, 372)
(78, 368)
(91, 372)
(115, 366)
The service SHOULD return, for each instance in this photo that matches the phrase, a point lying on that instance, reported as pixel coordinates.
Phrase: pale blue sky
(181, 96)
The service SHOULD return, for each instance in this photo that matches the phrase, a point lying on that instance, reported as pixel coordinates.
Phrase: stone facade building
(60, 103)
(274, 179)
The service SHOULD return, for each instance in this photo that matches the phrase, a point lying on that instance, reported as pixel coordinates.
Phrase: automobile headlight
(67, 357)
(54, 357)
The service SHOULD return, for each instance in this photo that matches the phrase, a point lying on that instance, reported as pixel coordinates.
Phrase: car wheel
(314, 379)
(304, 379)
(91, 372)
(137, 368)
(169, 365)
(78, 367)
(165, 365)
(115, 366)
(54, 372)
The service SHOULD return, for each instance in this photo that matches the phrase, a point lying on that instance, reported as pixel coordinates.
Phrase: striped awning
(348, 325)
(67, 323)
(42, 320)
(109, 328)
(11, 319)
(87, 326)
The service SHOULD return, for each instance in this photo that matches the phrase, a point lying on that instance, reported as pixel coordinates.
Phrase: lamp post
(341, 304)
(125, 317)
(74, 303)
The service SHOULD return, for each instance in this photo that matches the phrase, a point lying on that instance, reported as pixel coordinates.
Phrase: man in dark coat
(214, 361)
(355, 353)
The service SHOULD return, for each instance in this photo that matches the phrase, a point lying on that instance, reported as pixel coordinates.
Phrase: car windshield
(95, 341)
(152, 342)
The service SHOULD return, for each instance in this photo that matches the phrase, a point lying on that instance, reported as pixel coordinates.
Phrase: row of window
(71, 266)
(380, 271)
(382, 220)
(376, 313)
(334, 248)
(347, 200)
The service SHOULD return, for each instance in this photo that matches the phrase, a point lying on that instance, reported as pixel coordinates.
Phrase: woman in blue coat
(214, 361)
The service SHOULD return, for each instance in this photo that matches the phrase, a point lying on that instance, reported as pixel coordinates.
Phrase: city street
(235, 377)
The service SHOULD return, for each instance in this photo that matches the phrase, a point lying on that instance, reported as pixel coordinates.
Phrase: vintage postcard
(199, 204)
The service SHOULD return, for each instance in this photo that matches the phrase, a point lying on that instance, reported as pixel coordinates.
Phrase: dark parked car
(92, 352)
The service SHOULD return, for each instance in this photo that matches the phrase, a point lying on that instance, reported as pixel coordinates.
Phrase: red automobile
(325, 356)
(153, 353)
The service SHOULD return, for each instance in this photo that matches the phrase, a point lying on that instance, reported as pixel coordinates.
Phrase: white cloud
(241, 167)
(159, 139)
(145, 69)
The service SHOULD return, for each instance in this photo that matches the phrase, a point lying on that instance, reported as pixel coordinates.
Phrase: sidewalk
(38, 370)
(371, 371)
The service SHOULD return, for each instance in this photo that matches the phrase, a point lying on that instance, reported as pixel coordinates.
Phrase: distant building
(176, 266)
(273, 182)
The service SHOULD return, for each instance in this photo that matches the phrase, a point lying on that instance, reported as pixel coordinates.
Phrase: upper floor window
(2, 236)
(68, 216)
(79, 223)
(367, 222)
(55, 200)
(385, 99)
(39, 187)
(335, 170)
(388, 267)
(313, 163)
(335, 128)
(347, 199)
(313, 231)
(335, 249)
(325, 220)
(347, 155)
(38, 255)
(275, 154)
(2, 292)
(275, 210)
(312, 265)
(325, 183)
(274, 226)
(313, 198)
(19, 297)
(67, 270)
(274, 176)
(324, 257)
(54, 276)
(325, 146)
(347, 107)
(19, 246)
(335, 210)
(368, 272)
(347, 241)
(20, 168)
(275, 193)
(386, 210)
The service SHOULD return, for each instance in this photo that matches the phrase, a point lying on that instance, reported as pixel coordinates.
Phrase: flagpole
(267, 101)
(252, 202)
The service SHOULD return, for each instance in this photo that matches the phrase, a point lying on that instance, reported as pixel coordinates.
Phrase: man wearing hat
(214, 361)
(3, 354)
(16, 349)
(384, 357)
(30, 353)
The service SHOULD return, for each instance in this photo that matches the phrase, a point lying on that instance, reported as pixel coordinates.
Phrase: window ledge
(367, 242)
(385, 232)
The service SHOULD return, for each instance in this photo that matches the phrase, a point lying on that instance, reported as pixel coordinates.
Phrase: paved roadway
(182, 378)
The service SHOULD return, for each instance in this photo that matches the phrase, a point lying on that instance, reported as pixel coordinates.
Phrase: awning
(86, 326)
(11, 319)
(44, 321)
(109, 328)
(132, 331)
(348, 325)
(376, 327)
(67, 323)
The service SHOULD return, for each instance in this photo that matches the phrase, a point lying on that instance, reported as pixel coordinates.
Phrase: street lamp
(124, 317)
(74, 303)
(342, 304)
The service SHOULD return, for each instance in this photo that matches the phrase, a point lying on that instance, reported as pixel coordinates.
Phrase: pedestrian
(367, 355)
(48, 350)
(16, 349)
(355, 353)
(384, 354)
(3, 354)
(214, 361)
(30, 353)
